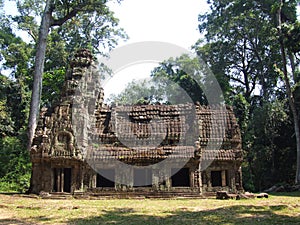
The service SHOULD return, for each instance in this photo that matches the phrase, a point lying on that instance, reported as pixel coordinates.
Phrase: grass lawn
(277, 209)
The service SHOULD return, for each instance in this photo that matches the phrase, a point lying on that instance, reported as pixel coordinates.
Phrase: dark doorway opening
(216, 178)
(62, 179)
(181, 178)
(142, 178)
(106, 178)
(56, 180)
(67, 179)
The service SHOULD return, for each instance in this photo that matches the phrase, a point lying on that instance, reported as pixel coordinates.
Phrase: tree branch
(61, 21)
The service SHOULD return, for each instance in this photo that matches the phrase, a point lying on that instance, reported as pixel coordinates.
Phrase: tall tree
(187, 73)
(91, 19)
(38, 71)
(241, 45)
(287, 19)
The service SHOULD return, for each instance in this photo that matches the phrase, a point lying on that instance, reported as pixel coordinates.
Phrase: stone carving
(57, 154)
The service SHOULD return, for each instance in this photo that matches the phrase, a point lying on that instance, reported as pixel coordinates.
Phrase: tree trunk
(289, 94)
(38, 72)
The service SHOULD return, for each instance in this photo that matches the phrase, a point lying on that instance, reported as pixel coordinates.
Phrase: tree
(240, 32)
(241, 46)
(282, 39)
(17, 63)
(172, 82)
(15, 55)
(139, 92)
(182, 72)
(56, 14)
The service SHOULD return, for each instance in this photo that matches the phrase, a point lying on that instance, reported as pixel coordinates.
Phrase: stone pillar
(61, 179)
(197, 177)
(81, 174)
(52, 178)
(124, 178)
(155, 179)
(223, 176)
(239, 181)
(36, 178)
(200, 181)
(94, 180)
(208, 175)
(193, 178)
(232, 180)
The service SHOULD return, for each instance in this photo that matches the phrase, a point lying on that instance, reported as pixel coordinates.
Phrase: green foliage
(92, 31)
(52, 85)
(91, 25)
(188, 75)
(291, 36)
(138, 92)
(248, 177)
(272, 156)
(12, 107)
(241, 110)
(242, 49)
(6, 123)
(80, 24)
(240, 46)
(15, 167)
(212, 54)
(174, 81)
(16, 57)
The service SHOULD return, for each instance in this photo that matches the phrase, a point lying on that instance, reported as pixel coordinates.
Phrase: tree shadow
(10, 193)
(286, 194)
(12, 221)
(239, 215)
(39, 220)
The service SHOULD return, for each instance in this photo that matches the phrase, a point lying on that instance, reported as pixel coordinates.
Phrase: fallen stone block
(262, 195)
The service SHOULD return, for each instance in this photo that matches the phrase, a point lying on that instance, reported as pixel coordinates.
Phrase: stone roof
(138, 132)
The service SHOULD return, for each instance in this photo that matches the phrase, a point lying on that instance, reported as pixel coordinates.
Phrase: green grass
(279, 209)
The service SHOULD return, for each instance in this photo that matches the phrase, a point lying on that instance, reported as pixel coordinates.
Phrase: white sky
(172, 21)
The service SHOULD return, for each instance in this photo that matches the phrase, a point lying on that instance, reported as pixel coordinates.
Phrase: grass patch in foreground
(274, 210)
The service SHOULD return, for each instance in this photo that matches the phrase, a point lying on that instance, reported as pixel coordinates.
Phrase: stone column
(155, 179)
(208, 175)
(223, 176)
(232, 180)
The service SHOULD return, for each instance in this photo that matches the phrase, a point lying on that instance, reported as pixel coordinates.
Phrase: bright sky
(172, 21)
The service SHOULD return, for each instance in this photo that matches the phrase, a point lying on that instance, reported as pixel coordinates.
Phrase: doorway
(106, 178)
(142, 177)
(181, 178)
(62, 179)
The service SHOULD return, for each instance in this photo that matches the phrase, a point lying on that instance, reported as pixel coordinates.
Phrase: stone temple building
(82, 145)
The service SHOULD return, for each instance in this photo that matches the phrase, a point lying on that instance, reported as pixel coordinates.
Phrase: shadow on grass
(240, 215)
(16, 221)
(12, 221)
(286, 194)
(10, 193)
(39, 220)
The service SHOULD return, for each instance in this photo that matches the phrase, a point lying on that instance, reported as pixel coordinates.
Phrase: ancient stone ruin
(83, 146)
